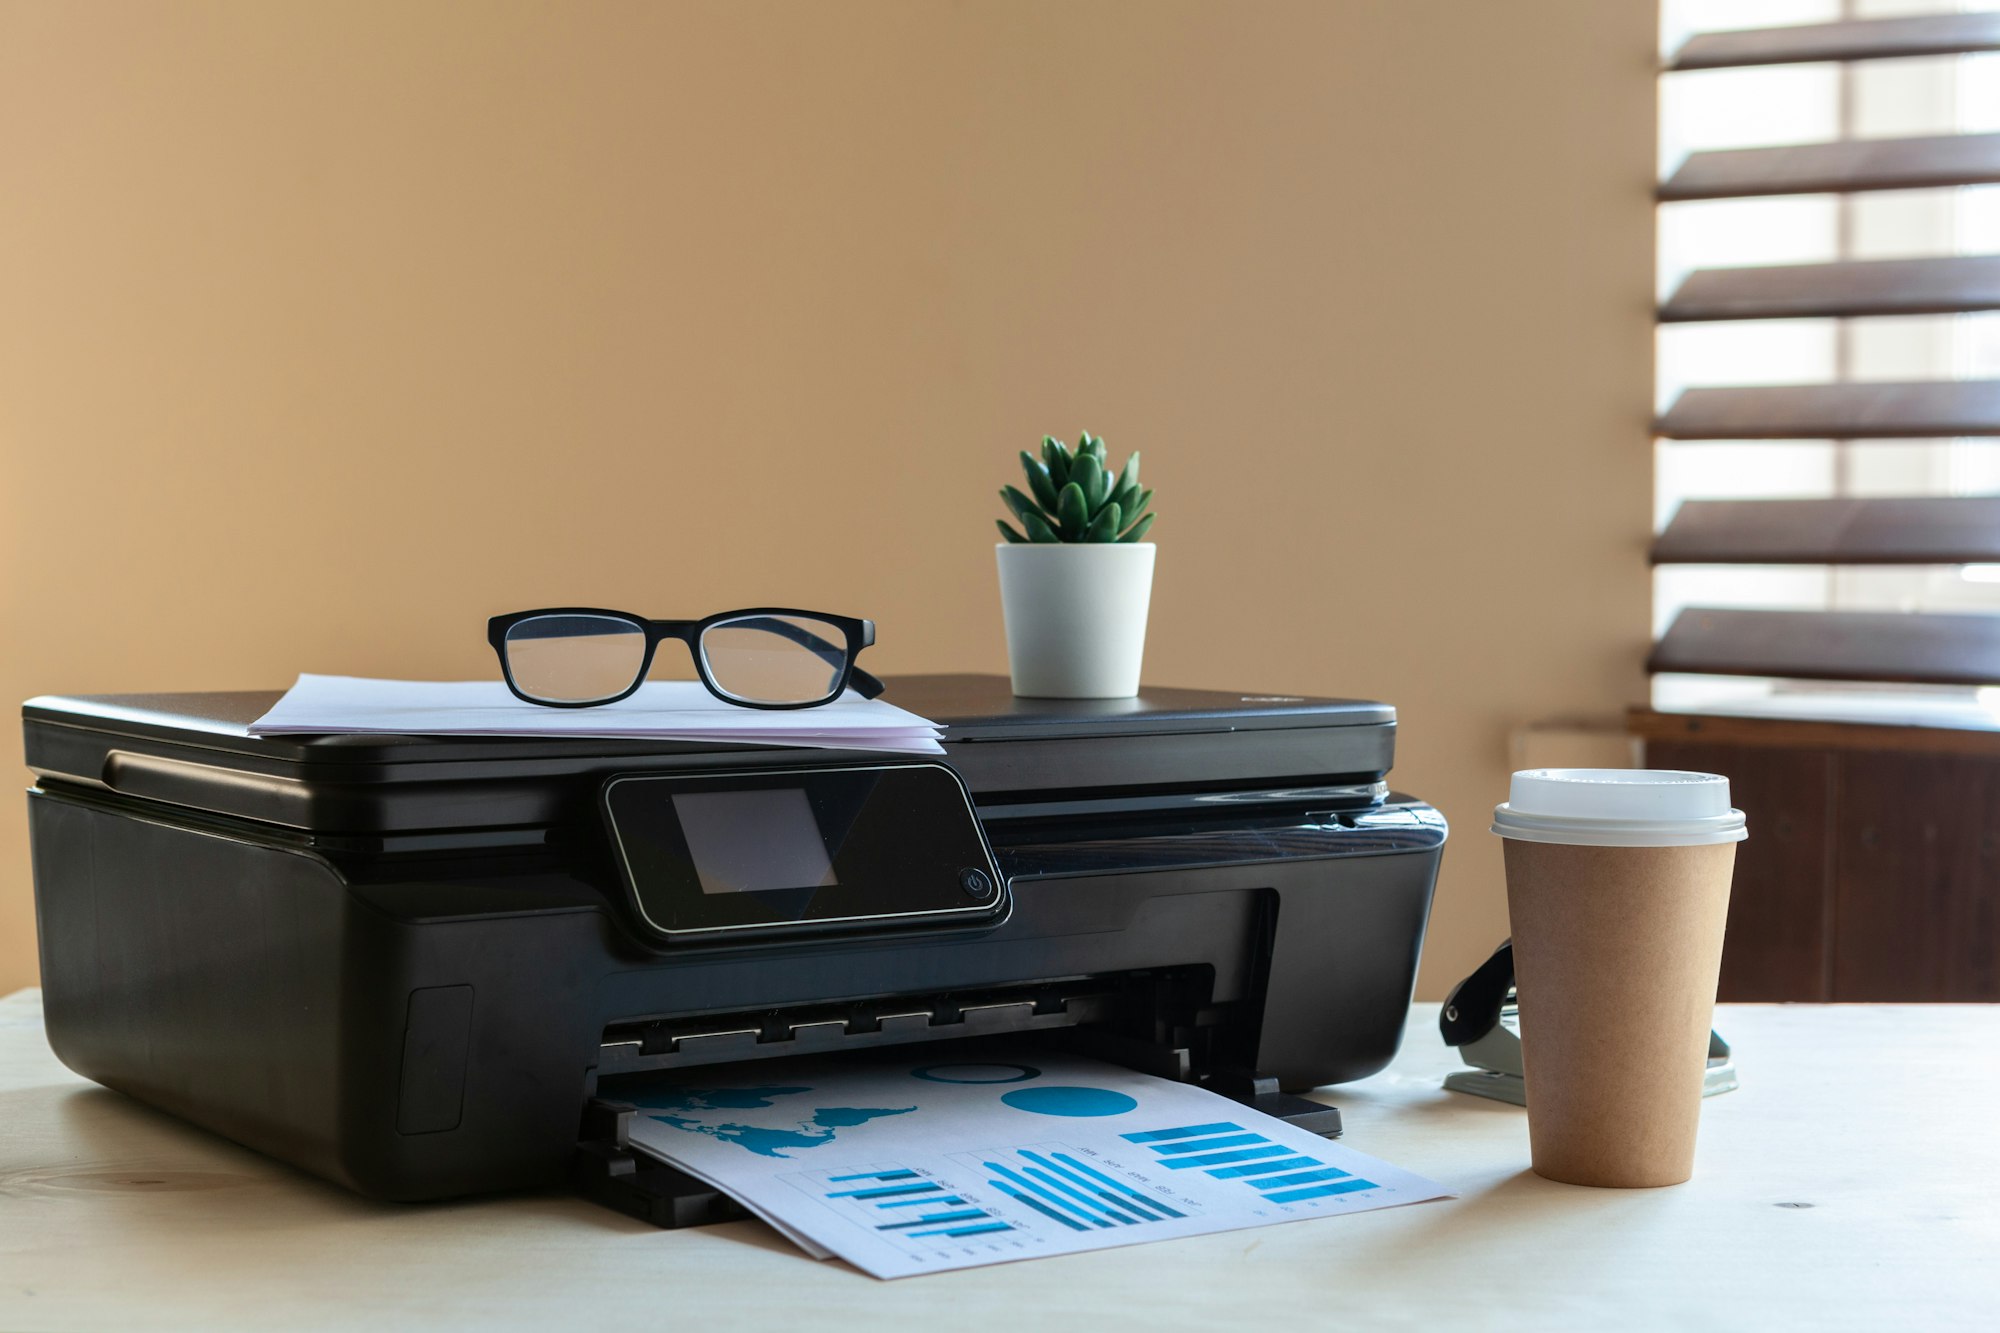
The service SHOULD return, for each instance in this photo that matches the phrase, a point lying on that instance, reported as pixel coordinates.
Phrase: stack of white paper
(919, 1163)
(661, 710)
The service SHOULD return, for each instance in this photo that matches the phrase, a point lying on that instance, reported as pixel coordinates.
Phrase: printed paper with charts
(918, 1165)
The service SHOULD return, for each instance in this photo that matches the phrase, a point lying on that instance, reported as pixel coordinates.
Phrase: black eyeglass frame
(859, 633)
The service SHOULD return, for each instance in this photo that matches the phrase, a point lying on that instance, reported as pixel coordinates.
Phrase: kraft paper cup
(1618, 888)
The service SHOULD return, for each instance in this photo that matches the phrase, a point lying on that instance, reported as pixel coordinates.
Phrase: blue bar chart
(1071, 1188)
(910, 1208)
(1227, 1151)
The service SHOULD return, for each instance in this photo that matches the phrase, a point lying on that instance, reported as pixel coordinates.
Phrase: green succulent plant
(1073, 496)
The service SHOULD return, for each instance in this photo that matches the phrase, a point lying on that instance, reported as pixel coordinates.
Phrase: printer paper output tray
(1079, 1015)
(407, 964)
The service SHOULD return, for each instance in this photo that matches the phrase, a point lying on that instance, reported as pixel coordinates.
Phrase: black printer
(426, 966)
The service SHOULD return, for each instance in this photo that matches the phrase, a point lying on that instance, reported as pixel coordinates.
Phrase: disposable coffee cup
(1617, 888)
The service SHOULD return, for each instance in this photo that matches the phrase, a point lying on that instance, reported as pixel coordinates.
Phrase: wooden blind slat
(1950, 285)
(1917, 530)
(1935, 409)
(1862, 39)
(1846, 167)
(1886, 646)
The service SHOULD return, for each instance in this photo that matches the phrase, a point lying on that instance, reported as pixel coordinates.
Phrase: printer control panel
(733, 855)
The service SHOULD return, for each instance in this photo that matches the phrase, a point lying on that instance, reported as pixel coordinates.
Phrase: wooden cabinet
(1872, 871)
(1916, 884)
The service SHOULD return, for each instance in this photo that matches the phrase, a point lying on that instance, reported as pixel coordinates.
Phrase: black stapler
(1482, 1018)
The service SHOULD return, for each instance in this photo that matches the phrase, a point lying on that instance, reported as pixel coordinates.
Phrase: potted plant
(1076, 577)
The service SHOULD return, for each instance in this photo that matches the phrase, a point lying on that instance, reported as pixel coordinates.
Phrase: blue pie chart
(1069, 1101)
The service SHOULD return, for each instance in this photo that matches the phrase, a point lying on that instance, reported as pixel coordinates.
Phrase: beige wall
(327, 330)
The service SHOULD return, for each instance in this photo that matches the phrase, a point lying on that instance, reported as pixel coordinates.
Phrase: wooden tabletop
(1851, 1182)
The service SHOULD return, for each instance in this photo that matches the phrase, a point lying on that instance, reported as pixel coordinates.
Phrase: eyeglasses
(765, 657)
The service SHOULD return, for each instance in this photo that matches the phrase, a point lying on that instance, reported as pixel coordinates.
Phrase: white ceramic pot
(1076, 616)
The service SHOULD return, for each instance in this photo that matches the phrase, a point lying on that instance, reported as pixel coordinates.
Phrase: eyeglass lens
(775, 659)
(574, 659)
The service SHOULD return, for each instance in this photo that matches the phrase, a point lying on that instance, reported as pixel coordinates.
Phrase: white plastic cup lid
(1619, 807)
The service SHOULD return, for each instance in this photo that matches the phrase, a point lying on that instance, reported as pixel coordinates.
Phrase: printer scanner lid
(193, 750)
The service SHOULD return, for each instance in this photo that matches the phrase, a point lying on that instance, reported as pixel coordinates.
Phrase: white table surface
(1852, 1182)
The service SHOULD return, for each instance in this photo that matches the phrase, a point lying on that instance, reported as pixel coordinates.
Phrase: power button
(976, 883)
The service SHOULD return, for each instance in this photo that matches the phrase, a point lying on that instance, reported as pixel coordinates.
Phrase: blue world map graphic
(693, 1110)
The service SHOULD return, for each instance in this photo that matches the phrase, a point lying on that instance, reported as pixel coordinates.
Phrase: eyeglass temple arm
(833, 654)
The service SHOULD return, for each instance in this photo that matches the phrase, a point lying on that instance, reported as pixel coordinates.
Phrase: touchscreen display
(869, 846)
(754, 841)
